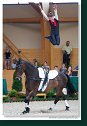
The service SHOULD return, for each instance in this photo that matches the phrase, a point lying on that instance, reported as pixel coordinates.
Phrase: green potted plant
(13, 94)
(17, 84)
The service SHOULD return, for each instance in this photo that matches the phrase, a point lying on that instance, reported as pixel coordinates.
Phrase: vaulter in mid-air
(54, 36)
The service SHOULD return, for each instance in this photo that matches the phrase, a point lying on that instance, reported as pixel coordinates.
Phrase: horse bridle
(19, 76)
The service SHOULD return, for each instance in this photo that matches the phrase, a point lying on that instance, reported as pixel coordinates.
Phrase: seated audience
(71, 89)
(75, 71)
(14, 64)
(69, 72)
(76, 68)
(56, 68)
(63, 69)
(46, 67)
(35, 63)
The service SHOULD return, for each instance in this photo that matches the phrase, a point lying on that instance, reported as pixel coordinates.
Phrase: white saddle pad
(52, 74)
(41, 72)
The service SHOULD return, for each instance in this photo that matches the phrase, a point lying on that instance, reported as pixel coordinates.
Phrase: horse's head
(19, 69)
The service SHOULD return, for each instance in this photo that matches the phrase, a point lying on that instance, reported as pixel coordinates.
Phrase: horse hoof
(26, 111)
(50, 109)
(67, 108)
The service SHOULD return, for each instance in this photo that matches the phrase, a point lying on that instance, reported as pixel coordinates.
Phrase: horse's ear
(18, 61)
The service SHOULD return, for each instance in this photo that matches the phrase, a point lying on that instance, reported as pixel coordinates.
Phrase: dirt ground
(39, 109)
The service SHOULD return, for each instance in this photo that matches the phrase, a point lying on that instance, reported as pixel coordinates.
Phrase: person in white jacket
(54, 36)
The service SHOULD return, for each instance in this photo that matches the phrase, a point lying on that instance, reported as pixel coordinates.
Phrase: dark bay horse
(33, 81)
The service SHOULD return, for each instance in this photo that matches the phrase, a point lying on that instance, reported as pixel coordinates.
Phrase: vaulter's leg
(40, 86)
(57, 39)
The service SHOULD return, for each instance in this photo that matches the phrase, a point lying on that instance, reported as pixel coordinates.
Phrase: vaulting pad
(41, 72)
(52, 74)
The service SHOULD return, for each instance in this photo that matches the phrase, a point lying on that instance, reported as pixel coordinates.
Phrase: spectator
(14, 64)
(75, 71)
(46, 67)
(71, 89)
(46, 70)
(36, 64)
(7, 56)
(69, 72)
(63, 69)
(76, 68)
(56, 68)
(66, 53)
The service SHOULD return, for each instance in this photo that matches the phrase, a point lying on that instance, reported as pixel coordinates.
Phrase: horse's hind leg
(64, 91)
(55, 102)
(58, 96)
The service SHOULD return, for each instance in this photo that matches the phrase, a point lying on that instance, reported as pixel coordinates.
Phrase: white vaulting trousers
(45, 86)
(40, 86)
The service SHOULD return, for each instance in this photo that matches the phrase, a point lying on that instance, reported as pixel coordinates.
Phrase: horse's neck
(30, 70)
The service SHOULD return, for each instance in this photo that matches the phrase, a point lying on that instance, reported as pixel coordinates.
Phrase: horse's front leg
(29, 97)
(26, 100)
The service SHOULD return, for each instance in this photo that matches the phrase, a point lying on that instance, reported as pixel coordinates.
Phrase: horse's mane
(29, 63)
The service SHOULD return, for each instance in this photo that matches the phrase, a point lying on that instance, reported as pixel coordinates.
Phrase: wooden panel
(33, 54)
(8, 75)
(45, 43)
(53, 56)
(22, 20)
(64, 20)
(13, 47)
(30, 54)
(57, 57)
(36, 20)
(74, 57)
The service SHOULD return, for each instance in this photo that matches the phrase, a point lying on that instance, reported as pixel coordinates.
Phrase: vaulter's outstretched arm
(55, 12)
(43, 13)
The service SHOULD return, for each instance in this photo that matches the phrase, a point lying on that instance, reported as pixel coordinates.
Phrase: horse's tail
(71, 89)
